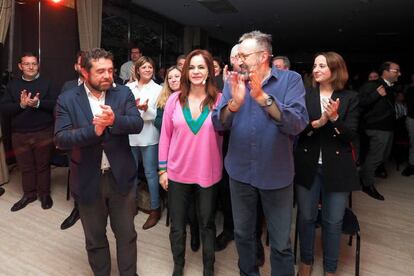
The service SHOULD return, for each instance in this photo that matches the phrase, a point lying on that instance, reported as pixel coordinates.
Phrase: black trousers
(179, 199)
(225, 203)
(121, 210)
(224, 192)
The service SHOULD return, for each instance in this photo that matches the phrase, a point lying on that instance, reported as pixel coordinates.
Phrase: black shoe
(46, 201)
(381, 172)
(409, 170)
(223, 240)
(1, 191)
(71, 219)
(195, 238)
(195, 243)
(22, 203)
(260, 257)
(372, 192)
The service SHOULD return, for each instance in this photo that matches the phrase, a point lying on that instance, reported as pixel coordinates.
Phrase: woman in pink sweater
(190, 157)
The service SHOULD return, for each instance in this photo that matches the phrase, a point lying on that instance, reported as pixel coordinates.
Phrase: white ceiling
(355, 25)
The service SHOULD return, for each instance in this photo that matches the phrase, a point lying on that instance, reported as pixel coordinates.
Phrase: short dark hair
(28, 54)
(219, 61)
(385, 66)
(135, 47)
(180, 57)
(79, 53)
(93, 55)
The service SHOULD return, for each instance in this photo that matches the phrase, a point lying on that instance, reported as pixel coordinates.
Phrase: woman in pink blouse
(190, 160)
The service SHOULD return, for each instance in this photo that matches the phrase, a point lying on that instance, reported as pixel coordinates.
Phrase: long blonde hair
(166, 90)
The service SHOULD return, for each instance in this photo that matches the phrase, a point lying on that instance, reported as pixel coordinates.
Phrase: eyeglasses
(394, 70)
(27, 64)
(243, 57)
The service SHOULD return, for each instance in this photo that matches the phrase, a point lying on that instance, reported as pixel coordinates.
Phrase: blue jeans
(149, 155)
(277, 208)
(333, 208)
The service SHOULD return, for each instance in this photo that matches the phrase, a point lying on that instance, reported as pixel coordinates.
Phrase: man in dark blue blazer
(93, 121)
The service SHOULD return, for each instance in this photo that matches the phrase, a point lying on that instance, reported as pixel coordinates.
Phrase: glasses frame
(243, 57)
(394, 70)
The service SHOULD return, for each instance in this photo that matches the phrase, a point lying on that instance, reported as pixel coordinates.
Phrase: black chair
(350, 226)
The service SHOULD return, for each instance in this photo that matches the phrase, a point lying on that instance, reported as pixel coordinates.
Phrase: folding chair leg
(350, 240)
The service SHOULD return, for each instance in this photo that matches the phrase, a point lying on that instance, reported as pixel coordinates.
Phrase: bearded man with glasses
(264, 108)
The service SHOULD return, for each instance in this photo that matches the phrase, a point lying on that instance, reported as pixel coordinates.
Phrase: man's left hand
(106, 118)
(256, 91)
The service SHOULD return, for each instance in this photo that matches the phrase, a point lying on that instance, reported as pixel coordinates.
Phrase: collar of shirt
(80, 81)
(388, 83)
(89, 93)
(36, 77)
(136, 84)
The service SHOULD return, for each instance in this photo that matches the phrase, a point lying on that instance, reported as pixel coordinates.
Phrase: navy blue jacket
(74, 131)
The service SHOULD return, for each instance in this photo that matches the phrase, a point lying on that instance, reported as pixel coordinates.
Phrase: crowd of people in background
(239, 138)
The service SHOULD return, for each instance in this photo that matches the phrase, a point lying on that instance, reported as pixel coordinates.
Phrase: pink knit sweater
(188, 157)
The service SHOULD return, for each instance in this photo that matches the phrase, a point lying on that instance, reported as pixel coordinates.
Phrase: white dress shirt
(149, 134)
(95, 103)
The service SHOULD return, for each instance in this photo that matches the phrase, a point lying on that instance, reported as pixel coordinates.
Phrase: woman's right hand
(164, 181)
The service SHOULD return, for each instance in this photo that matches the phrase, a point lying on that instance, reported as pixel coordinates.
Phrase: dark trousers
(33, 152)
(277, 208)
(380, 143)
(225, 203)
(179, 199)
(121, 210)
(224, 191)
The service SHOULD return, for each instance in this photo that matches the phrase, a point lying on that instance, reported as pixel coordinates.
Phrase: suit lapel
(342, 102)
(83, 102)
(314, 104)
(109, 97)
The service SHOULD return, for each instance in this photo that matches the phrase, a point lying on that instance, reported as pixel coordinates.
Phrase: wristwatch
(268, 102)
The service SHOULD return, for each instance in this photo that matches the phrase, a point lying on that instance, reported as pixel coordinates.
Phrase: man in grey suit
(93, 121)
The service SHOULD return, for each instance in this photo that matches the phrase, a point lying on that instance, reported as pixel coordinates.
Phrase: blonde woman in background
(145, 144)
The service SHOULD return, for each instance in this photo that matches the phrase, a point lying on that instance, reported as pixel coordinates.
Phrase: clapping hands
(142, 106)
(103, 120)
(27, 100)
(330, 113)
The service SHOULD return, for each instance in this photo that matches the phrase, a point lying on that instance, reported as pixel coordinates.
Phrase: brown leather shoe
(152, 219)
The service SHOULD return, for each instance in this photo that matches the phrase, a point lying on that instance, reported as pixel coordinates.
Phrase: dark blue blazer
(69, 85)
(74, 131)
